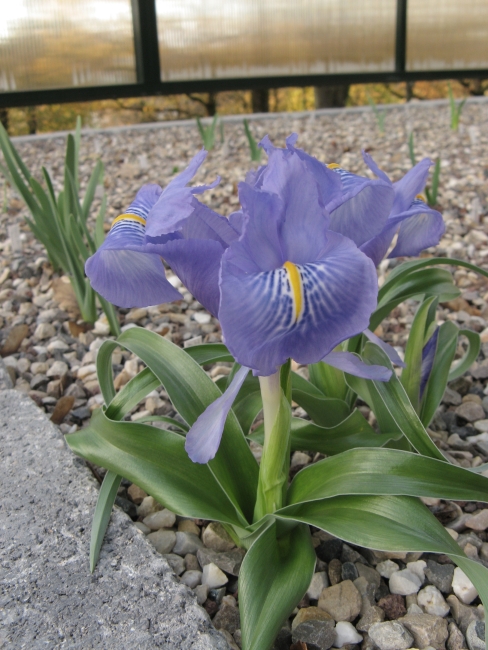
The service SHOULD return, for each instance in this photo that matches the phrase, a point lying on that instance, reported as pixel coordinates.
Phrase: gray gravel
(49, 598)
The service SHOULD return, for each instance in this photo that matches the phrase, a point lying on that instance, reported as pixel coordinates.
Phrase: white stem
(271, 394)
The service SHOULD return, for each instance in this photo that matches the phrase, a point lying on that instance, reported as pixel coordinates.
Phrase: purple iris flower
(282, 283)
(418, 225)
(172, 224)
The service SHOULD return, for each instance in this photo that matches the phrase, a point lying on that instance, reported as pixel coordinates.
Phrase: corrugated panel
(212, 39)
(63, 43)
(447, 34)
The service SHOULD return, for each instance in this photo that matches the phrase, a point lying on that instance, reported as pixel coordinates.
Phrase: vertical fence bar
(401, 36)
(146, 45)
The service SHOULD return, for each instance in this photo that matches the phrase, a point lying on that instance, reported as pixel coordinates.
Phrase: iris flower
(418, 225)
(285, 275)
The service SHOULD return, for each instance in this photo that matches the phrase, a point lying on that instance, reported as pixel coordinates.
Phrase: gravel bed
(358, 598)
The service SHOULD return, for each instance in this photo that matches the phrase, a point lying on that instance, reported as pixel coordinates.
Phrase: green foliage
(60, 222)
(456, 109)
(256, 152)
(430, 193)
(365, 491)
(379, 115)
(207, 133)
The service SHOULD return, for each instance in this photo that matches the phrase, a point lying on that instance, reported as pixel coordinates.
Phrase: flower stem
(275, 461)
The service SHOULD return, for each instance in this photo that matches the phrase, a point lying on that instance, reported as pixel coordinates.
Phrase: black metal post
(401, 36)
(146, 45)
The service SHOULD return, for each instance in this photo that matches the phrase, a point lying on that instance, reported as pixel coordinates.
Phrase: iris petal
(428, 357)
(366, 204)
(121, 270)
(201, 276)
(420, 228)
(391, 353)
(353, 365)
(128, 278)
(203, 439)
(176, 202)
(413, 183)
(261, 323)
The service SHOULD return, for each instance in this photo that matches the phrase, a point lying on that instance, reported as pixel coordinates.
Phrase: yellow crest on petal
(130, 217)
(296, 287)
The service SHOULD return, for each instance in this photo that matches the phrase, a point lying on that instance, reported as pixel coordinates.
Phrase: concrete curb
(49, 598)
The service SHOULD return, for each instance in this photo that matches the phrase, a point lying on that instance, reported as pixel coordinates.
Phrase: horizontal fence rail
(133, 48)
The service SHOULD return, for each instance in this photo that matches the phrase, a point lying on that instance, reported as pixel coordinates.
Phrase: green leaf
(155, 460)
(437, 382)
(354, 431)
(325, 411)
(396, 402)
(387, 472)
(397, 274)
(103, 510)
(387, 523)
(95, 179)
(131, 394)
(191, 391)
(209, 353)
(274, 576)
(474, 345)
(423, 282)
(412, 373)
(329, 380)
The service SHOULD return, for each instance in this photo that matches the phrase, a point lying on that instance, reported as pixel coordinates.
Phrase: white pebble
(191, 578)
(213, 577)
(319, 582)
(405, 583)
(431, 599)
(418, 568)
(202, 317)
(345, 634)
(463, 587)
(387, 568)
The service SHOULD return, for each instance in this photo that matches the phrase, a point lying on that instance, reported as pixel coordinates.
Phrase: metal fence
(76, 50)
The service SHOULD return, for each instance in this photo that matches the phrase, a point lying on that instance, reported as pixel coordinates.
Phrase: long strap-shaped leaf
(395, 400)
(134, 391)
(388, 523)
(155, 460)
(387, 472)
(354, 431)
(273, 578)
(191, 391)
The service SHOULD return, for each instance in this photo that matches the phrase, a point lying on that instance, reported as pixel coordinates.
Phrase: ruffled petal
(366, 204)
(204, 223)
(377, 247)
(128, 278)
(297, 311)
(420, 228)
(352, 364)
(407, 188)
(260, 249)
(203, 439)
(197, 263)
(303, 231)
(176, 202)
(374, 167)
(122, 270)
(329, 183)
(391, 353)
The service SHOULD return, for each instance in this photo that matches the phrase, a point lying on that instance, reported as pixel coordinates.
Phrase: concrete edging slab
(49, 598)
